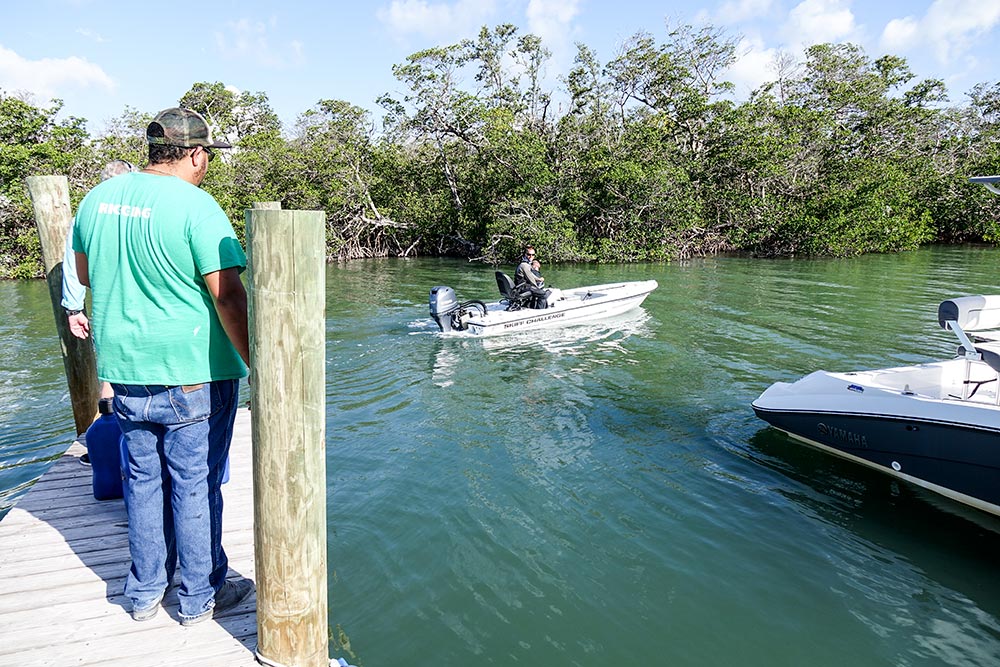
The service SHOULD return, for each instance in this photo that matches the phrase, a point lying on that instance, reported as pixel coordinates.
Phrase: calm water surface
(604, 495)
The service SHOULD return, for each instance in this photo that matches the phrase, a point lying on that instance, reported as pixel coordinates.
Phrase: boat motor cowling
(443, 303)
(449, 313)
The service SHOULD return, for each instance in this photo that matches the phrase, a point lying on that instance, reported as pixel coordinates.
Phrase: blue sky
(100, 56)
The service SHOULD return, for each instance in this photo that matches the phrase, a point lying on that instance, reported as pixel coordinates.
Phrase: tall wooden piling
(287, 297)
(50, 199)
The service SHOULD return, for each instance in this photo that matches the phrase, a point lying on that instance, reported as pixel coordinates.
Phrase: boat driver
(529, 277)
(523, 275)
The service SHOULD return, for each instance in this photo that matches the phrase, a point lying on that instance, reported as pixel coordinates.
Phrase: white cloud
(90, 34)
(251, 40)
(900, 34)
(547, 17)
(950, 28)
(552, 21)
(738, 11)
(49, 77)
(438, 21)
(820, 21)
(754, 66)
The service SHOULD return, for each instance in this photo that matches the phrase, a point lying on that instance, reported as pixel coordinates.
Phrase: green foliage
(123, 138)
(648, 159)
(32, 143)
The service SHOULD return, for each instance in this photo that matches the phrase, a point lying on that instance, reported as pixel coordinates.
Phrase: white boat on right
(936, 425)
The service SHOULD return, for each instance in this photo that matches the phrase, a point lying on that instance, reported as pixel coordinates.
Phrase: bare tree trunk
(452, 183)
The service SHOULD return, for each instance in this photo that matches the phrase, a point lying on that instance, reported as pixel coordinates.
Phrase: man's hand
(79, 325)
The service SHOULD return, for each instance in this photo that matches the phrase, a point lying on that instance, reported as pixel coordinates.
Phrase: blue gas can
(102, 446)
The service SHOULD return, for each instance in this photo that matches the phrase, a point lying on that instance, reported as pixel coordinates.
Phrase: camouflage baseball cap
(181, 127)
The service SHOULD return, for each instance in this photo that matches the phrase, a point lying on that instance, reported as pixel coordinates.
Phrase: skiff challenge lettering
(532, 320)
(843, 435)
(124, 210)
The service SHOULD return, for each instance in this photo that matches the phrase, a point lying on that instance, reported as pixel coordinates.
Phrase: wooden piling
(50, 199)
(287, 298)
(268, 205)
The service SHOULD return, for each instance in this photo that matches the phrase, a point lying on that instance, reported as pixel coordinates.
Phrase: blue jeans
(177, 440)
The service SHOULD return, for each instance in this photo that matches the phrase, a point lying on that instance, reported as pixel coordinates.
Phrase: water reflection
(896, 516)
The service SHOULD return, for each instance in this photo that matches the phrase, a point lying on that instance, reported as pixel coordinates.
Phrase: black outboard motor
(443, 304)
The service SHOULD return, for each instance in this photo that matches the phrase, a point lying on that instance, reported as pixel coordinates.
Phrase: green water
(604, 495)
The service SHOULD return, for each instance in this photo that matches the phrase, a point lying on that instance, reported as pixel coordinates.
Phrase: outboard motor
(443, 304)
(451, 315)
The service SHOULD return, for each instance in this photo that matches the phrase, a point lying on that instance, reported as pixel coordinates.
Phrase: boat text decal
(532, 320)
(843, 435)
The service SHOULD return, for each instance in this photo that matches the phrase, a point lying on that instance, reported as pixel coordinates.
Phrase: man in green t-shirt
(170, 326)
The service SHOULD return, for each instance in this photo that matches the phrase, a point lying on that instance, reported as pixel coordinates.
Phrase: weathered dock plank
(63, 561)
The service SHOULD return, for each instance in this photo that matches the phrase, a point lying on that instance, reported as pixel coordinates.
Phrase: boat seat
(522, 295)
(516, 298)
(990, 357)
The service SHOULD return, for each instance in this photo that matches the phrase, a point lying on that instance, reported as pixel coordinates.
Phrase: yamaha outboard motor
(443, 304)
(451, 315)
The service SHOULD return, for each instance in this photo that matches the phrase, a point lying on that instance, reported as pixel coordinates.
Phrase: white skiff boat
(525, 309)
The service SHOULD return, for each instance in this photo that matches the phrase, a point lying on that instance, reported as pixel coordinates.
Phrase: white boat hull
(922, 424)
(577, 306)
(569, 307)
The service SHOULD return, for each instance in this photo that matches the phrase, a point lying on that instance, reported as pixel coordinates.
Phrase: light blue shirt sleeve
(73, 293)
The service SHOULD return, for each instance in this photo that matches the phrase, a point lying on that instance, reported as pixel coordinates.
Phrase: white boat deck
(938, 380)
(63, 561)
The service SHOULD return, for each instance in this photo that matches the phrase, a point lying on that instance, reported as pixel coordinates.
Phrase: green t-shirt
(149, 240)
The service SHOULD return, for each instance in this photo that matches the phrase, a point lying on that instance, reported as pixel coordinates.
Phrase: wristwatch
(71, 313)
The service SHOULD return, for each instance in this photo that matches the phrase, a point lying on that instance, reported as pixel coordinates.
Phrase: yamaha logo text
(843, 435)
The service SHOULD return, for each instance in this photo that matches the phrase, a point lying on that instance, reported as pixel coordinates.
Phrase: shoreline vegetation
(645, 157)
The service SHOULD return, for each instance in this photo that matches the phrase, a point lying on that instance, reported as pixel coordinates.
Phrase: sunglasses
(208, 151)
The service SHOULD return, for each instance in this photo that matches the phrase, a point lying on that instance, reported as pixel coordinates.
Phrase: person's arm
(73, 293)
(525, 270)
(82, 269)
(230, 299)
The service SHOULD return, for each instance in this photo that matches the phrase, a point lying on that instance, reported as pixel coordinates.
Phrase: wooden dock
(63, 561)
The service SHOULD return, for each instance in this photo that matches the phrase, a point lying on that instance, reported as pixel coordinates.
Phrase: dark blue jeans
(178, 440)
